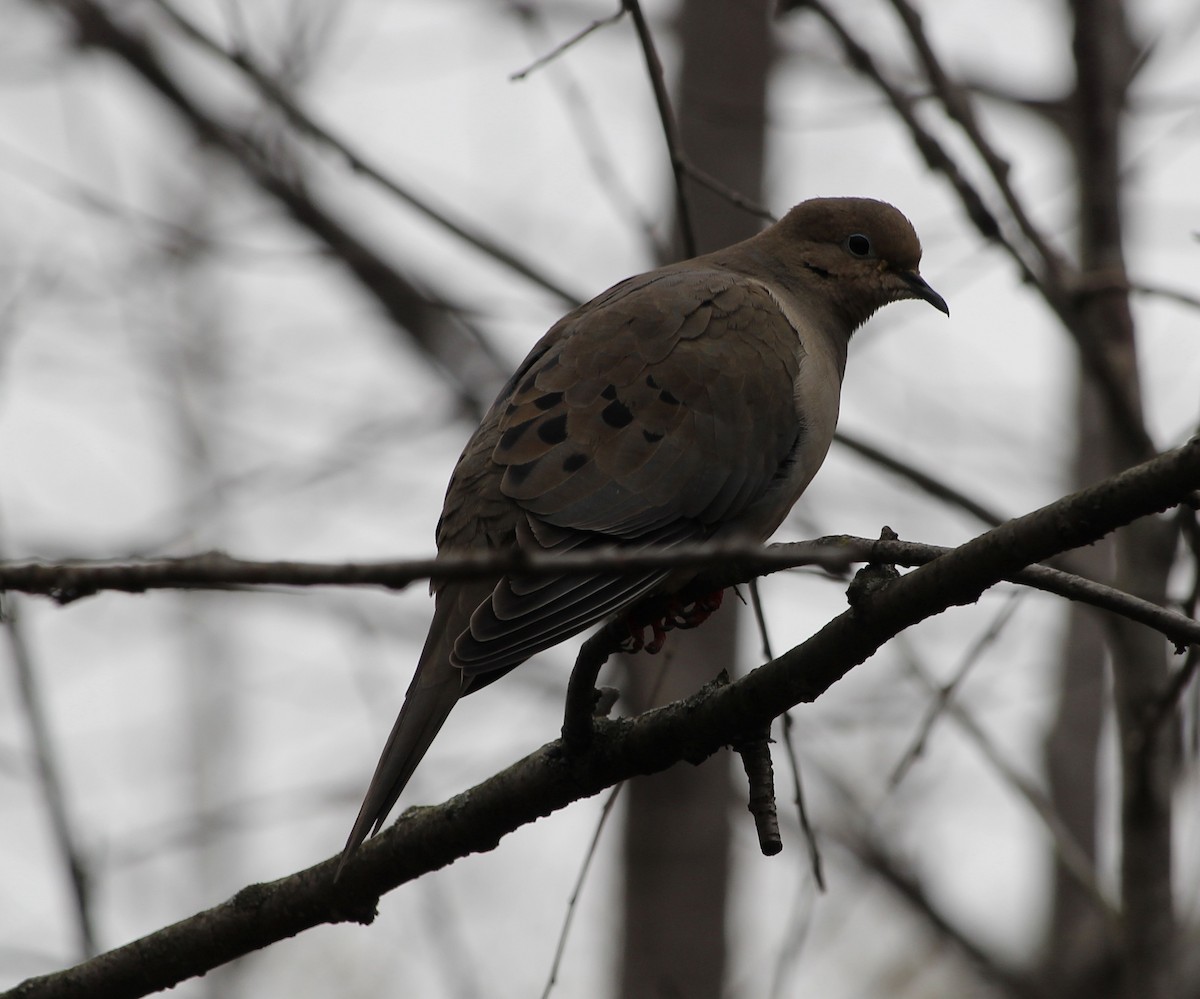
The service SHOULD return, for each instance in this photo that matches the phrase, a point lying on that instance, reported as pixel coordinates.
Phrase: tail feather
(435, 689)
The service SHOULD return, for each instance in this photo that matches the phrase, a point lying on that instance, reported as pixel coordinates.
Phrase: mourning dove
(689, 403)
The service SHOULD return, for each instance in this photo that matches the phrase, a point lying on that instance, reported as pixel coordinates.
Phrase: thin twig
(1073, 857)
(815, 862)
(930, 148)
(958, 106)
(306, 124)
(593, 848)
(760, 620)
(670, 128)
(73, 580)
(1181, 680)
(734, 197)
(937, 706)
(65, 839)
(577, 891)
(726, 564)
(930, 484)
(869, 850)
(559, 49)
(791, 751)
(872, 852)
(1056, 281)
(399, 296)
(1176, 295)
(598, 153)
(755, 754)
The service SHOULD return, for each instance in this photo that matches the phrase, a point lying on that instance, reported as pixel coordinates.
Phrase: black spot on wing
(669, 399)
(516, 474)
(616, 414)
(548, 401)
(574, 462)
(610, 392)
(553, 430)
(651, 436)
(509, 438)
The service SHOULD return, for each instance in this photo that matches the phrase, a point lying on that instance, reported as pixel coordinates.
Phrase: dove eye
(859, 245)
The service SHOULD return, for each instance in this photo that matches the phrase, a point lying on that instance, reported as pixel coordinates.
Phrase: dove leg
(663, 614)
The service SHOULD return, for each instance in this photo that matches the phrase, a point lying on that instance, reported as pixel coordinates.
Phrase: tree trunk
(678, 823)
(1105, 56)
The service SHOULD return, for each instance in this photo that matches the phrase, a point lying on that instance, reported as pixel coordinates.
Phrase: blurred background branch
(263, 263)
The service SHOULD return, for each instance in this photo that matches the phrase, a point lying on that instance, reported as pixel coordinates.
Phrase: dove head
(855, 253)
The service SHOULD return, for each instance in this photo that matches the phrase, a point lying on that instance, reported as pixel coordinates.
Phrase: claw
(660, 629)
(697, 612)
(667, 615)
(633, 642)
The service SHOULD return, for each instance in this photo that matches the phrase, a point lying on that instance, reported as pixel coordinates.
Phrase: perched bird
(689, 403)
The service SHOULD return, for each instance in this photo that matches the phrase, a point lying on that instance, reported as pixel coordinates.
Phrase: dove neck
(808, 292)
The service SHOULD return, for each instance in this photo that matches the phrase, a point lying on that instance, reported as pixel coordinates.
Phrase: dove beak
(920, 289)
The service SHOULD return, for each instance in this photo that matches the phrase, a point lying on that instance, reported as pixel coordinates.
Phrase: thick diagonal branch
(426, 839)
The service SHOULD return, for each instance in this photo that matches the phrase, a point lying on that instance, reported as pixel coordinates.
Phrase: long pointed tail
(435, 689)
(426, 708)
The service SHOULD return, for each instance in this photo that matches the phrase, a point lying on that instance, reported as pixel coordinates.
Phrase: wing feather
(637, 421)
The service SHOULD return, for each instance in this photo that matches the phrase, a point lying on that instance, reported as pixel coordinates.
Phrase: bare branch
(929, 483)
(755, 754)
(558, 50)
(1182, 678)
(934, 154)
(426, 839)
(306, 124)
(400, 298)
(945, 691)
(577, 891)
(874, 856)
(67, 581)
(1106, 54)
(958, 106)
(868, 849)
(816, 865)
(1175, 295)
(815, 862)
(1070, 854)
(735, 198)
(726, 563)
(66, 841)
(598, 153)
(1058, 283)
(670, 128)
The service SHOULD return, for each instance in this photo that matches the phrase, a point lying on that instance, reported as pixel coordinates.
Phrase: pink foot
(667, 614)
